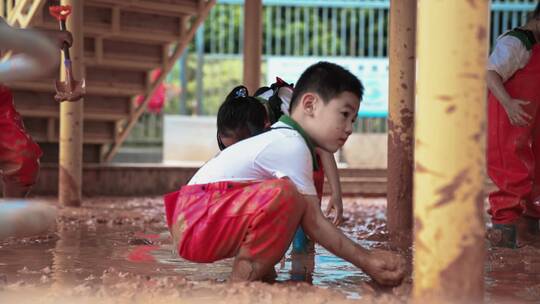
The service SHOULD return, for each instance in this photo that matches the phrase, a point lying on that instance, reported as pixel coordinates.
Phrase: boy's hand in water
(385, 267)
(335, 203)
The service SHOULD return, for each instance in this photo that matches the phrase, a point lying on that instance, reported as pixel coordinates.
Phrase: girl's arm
(513, 107)
(331, 172)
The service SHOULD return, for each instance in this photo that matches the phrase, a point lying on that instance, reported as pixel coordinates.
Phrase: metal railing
(327, 28)
(336, 28)
(147, 132)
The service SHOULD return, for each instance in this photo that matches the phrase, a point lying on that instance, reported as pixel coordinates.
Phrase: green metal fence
(342, 28)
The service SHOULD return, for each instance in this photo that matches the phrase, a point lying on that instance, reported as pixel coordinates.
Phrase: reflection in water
(115, 238)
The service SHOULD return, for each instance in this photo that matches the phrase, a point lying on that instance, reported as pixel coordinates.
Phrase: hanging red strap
(60, 12)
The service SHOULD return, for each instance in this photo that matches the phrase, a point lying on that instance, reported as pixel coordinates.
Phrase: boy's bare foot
(385, 267)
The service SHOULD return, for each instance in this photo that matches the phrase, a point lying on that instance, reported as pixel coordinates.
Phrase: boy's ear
(308, 103)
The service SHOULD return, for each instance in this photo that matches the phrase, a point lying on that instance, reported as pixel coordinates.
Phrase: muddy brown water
(116, 250)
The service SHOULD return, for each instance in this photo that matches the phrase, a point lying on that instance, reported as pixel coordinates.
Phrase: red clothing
(513, 153)
(215, 221)
(19, 154)
(157, 101)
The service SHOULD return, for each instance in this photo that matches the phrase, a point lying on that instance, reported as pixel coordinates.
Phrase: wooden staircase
(124, 41)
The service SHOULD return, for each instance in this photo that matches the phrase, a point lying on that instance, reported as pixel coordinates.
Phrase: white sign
(373, 72)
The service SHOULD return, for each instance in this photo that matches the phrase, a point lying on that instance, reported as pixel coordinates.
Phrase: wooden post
(71, 117)
(401, 121)
(252, 44)
(449, 175)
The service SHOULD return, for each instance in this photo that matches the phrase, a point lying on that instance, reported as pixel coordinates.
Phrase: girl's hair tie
(240, 92)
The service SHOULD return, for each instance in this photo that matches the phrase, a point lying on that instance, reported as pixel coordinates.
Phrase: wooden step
(128, 55)
(96, 107)
(98, 89)
(91, 153)
(116, 78)
(47, 130)
(163, 7)
(101, 20)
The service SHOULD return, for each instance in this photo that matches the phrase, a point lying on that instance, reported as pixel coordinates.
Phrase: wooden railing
(19, 13)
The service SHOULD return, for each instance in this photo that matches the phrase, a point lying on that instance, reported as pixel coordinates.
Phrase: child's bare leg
(272, 232)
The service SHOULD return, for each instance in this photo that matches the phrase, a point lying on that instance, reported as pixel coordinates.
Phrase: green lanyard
(295, 126)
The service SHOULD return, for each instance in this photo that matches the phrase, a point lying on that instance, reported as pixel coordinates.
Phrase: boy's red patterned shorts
(215, 221)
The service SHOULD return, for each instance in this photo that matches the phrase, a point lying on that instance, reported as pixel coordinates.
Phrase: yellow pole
(449, 151)
(252, 44)
(71, 117)
(401, 121)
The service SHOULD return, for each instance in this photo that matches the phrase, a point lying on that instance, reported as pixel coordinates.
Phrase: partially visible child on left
(35, 54)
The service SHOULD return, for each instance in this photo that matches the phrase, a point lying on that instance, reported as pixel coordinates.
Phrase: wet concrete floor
(116, 250)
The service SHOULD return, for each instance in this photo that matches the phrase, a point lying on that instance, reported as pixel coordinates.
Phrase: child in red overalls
(241, 116)
(513, 153)
(248, 200)
(239, 120)
(19, 154)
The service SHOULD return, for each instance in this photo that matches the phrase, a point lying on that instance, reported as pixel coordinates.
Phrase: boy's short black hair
(328, 80)
(241, 115)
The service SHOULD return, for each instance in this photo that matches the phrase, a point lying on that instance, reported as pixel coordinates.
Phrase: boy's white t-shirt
(277, 153)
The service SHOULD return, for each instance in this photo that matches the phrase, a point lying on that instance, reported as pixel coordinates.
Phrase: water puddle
(109, 242)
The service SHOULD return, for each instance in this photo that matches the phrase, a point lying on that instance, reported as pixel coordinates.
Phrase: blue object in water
(300, 241)
(12, 206)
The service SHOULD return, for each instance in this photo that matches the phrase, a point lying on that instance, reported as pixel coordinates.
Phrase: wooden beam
(98, 49)
(115, 22)
(182, 26)
(52, 133)
(15, 12)
(104, 31)
(180, 47)
(132, 63)
(164, 56)
(189, 7)
(252, 44)
(34, 7)
(93, 89)
(88, 115)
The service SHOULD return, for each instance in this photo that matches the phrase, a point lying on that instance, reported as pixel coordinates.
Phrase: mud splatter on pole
(252, 44)
(402, 59)
(71, 117)
(449, 151)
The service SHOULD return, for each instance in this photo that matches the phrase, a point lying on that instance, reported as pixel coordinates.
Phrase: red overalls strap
(513, 153)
